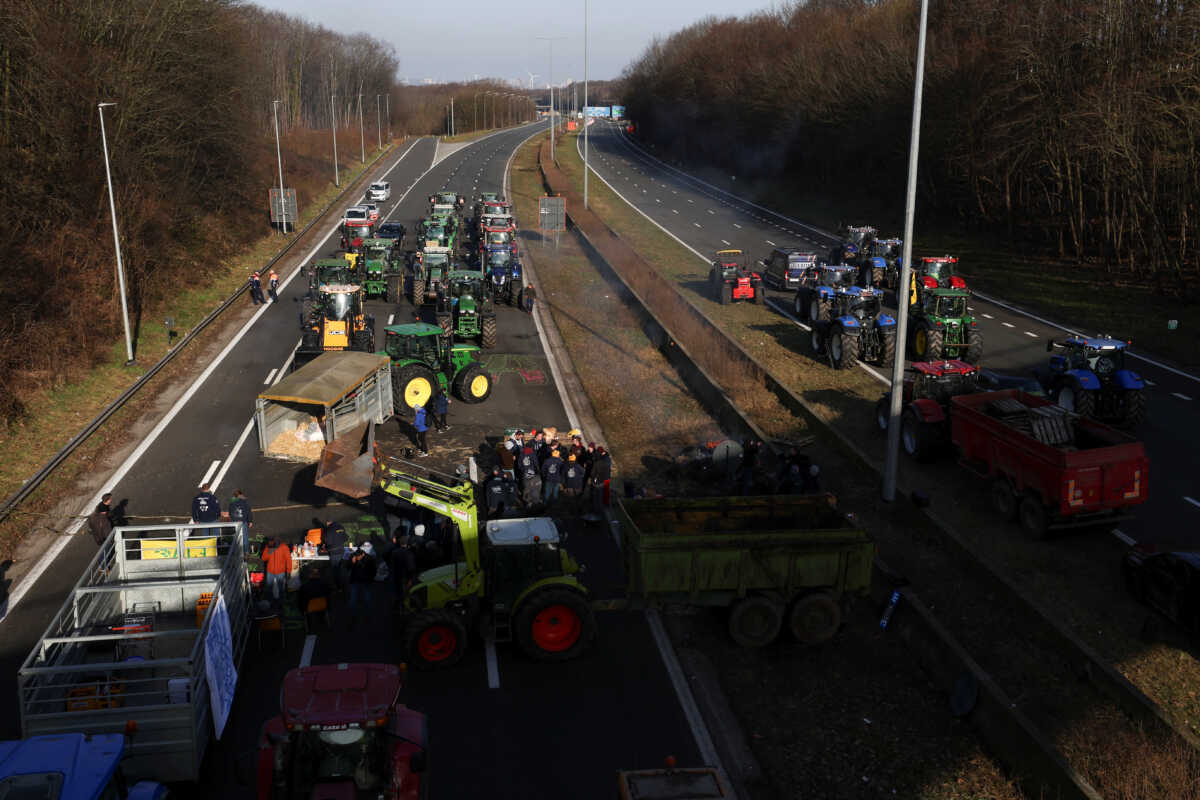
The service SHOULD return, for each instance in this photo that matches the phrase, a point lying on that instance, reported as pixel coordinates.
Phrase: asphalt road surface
(501, 726)
(706, 218)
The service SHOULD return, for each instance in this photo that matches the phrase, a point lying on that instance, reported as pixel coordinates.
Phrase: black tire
(1133, 408)
(418, 292)
(974, 351)
(487, 332)
(915, 436)
(800, 305)
(755, 621)
(513, 296)
(435, 639)
(877, 277)
(817, 340)
(446, 321)
(1075, 398)
(843, 348)
(1035, 519)
(395, 288)
(815, 618)
(726, 293)
(403, 389)
(555, 624)
(1004, 500)
(927, 343)
(468, 387)
(820, 309)
(883, 413)
(887, 348)
(759, 298)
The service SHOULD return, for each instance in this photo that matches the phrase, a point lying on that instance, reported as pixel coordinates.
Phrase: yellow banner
(165, 548)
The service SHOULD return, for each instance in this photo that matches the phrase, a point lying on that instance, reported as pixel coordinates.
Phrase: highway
(501, 726)
(705, 218)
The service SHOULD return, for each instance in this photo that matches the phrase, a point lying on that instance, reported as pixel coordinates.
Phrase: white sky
(499, 39)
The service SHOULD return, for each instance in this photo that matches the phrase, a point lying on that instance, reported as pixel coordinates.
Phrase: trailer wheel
(1004, 500)
(755, 621)
(1034, 517)
(435, 639)
(815, 618)
(555, 625)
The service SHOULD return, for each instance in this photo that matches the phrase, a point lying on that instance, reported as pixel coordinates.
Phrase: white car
(380, 191)
(357, 214)
(372, 211)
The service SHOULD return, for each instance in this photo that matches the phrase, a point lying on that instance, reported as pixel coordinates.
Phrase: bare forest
(192, 149)
(1069, 124)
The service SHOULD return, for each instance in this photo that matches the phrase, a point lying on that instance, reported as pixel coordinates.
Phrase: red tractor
(343, 733)
(732, 279)
(925, 410)
(934, 273)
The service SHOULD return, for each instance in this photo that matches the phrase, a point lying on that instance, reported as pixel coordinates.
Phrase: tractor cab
(945, 304)
(417, 340)
(340, 301)
(72, 766)
(447, 200)
(342, 733)
(1101, 354)
(889, 249)
(835, 276)
(859, 235)
(731, 264)
(1091, 379)
(865, 305)
(934, 273)
(326, 271)
(356, 226)
(376, 253)
(940, 380)
(497, 237)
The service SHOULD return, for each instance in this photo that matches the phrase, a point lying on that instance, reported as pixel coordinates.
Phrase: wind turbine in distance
(532, 75)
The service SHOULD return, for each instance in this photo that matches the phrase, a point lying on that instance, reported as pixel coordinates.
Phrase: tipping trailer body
(713, 551)
(129, 649)
(1079, 468)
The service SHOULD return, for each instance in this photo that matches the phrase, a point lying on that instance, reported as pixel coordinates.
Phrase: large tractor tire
(395, 288)
(413, 386)
(927, 343)
(418, 292)
(887, 348)
(800, 305)
(819, 310)
(513, 296)
(435, 639)
(974, 351)
(446, 321)
(1073, 397)
(759, 297)
(915, 436)
(726, 293)
(1133, 408)
(817, 340)
(815, 618)
(363, 341)
(755, 621)
(1004, 500)
(473, 384)
(487, 332)
(555, 624)
(883, 413)
(843, 348)
(1035, 519)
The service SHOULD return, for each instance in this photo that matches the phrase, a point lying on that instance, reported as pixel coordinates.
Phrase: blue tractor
(1090, 378)
(70, 766)
(856, 330)
(503, 271)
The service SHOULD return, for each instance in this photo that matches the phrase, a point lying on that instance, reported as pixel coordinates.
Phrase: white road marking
(211, 469)
(697, 224)
(1123, 537)
(270, 375)
(1180, 396)
(1008, 324)
(493, 664)
(736, 225)
(1031, 334)
(768, 241)
(390, 318)
(310, 643)
(657, 200)
(1149, 382)
(711, 211)
(673, 211)
(1194, 502)
(970, 308)
(724, 241)
(988, 316)
(690, 200)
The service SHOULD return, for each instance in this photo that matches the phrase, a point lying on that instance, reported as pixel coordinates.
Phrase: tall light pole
(475, 104)
(333, 116)
(378, 122)
(279, 158)
(494, 96)
(387, 99)
(452, 115)
(893, 449)
(585, 104)
(112, 207)
(362, 136)
(551, 40)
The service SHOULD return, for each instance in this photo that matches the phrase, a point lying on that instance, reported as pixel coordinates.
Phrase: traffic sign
(552, 214)
(289, 209)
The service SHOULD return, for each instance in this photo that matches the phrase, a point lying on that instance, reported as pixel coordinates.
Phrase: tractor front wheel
(914, 435)
(487, 332)
(758, 293)
(473, 384)
(815, 618)
(1075, 398)
(974, 352)
(755, 621)
(1133, 408)
(435, 639)
(555, 625)
(413, 385)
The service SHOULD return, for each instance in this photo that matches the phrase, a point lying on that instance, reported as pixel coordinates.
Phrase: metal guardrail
(38, 477)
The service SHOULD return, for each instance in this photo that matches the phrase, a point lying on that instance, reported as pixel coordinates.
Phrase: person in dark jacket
(441, 406)
(334, 540)
(573, 479)
(206, 508)
(528, 465)
(421, 425)
(256, 294)
(531, 478)
(506, 454)
(601, 473)
(528, 296)
(494, 489)
(512, 494)
(362, 575)
(402, 564)
(812, 482)
(273, 286)
(240, 512)
(99, 522)
(552, 475)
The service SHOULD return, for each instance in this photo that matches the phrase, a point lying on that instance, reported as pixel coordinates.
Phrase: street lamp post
(475, 107)
(893, 431)
(378, 123)
(362, 136)
(333, 116)
(387, 100)
(279, 159)
(551, 40)
(112, 207)
(585, 103)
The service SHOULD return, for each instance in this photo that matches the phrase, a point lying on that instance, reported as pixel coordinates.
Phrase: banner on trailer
(218, 664)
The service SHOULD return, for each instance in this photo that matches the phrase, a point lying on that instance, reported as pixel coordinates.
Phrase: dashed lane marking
(768, 241)
(1194, 502)
(211, 469)
(673, 211)
(697, 224)
(724, 241)
(271, 374)
(1180, 396)
(736, 225)
(1149, 382)
(1031, 334)
(310, 644)
(493, 664)
(1123, 537)
(1008, 324)
(390, 318)
(988, 316)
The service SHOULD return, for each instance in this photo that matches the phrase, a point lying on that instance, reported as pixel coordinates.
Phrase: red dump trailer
(1051, 468)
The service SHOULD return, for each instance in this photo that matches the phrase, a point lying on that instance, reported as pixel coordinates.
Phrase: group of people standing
(256, 287)
(536, 471)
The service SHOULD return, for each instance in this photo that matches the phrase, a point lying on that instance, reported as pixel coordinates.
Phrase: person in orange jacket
(277, 563)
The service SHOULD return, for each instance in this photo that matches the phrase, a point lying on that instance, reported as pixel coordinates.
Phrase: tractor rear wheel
(487, 332)
(887, 347)
(1133, 408)
(435, 639)
(843, 348)
(758, 292)
(413, 386)
(819, 310)
(446, 320)
(800, 304)
(1004, 500)
(1034, 517)
(914, 435)
(755, 621)
(726, 293)
(815, 618)
(418, 292)
(1075, 398)
(473, 384)
(395, 288)
(927, 343)
(974, 352)
(555, 624)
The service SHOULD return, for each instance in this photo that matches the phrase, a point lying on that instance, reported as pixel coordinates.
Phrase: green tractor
(510, 580)
(439, 230)
(942, 328)
(465, 309)
(424, 359)
(428, 268)
(380, 270)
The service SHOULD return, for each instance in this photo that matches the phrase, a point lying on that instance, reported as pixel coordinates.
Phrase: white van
(380, 191)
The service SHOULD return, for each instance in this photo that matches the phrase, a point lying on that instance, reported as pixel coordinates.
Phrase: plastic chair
(270, 624)
(317, 605)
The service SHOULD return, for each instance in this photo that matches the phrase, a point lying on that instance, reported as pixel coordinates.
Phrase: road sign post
(552, 217)
(283, 213)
